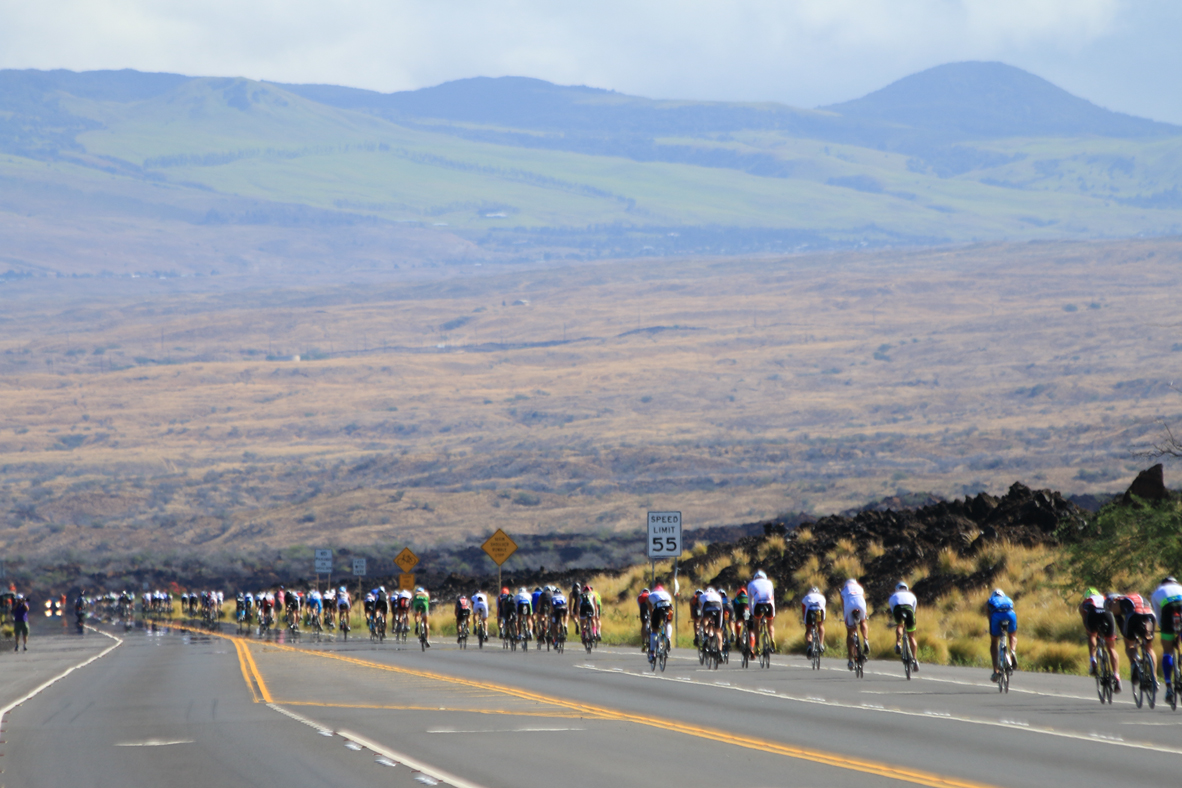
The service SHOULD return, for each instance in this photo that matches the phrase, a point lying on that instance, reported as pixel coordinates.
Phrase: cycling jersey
(813, 601)
(587, 605)
(658, 599)
(1134, 616)
(1098, 620)
(480, 604)
(525, 603)
(853, 602)
(902, 605)
(421, 602)
(463, 607)
(1167, 600)
(761, 591)
(535, 598)
(1002, 617)
(558, 601)
(712, 606)
(642, 603)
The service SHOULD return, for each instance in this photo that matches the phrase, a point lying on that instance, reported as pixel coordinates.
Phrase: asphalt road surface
(170, 707)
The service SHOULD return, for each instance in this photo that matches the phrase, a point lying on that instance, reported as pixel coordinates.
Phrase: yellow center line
(506, 712)
(240, 648)
(901, 773)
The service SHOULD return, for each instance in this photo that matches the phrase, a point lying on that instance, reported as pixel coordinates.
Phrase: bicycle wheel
(907, 657)
(662, 652)
(1177, 674)
(1149, 674)
(1138, 687)
(1103, 674)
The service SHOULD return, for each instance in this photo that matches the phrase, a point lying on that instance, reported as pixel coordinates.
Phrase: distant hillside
(966, 101)
(518, 169)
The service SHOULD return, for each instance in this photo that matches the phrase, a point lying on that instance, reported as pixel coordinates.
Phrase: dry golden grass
(774, 545)
(758, 376)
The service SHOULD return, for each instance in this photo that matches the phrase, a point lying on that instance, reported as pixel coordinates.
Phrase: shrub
(773, 545)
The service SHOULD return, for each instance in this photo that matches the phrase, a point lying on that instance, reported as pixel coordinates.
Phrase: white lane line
(510, 730)
(429, 774)
(914, 677)
(874, 708)
(153, 743)
(63, 674)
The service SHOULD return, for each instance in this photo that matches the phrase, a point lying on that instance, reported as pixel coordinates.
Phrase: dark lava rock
(1149, 485)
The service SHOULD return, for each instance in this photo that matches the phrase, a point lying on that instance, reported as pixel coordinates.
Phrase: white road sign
(323, 566)
(359, 566)
(664, 535)
(323, 554)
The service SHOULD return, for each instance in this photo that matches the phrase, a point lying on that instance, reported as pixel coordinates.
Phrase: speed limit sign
(664, 535)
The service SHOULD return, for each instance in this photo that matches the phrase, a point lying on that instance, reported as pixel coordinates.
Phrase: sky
(1121, 54)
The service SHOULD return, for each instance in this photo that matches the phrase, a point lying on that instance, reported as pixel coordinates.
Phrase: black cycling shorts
(462, 614)
(1138, 625)
(814, 615)
(1100, 622)
(660, 615)
(764, 609)
(1167, 620)
(644, 613)
(905, 615)
(524, 608)
(712, 613)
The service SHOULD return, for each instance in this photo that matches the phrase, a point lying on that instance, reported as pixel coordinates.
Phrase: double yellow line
(250, 673)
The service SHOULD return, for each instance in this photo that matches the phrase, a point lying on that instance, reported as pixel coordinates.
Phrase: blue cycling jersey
(1000, 603)
(534, 599)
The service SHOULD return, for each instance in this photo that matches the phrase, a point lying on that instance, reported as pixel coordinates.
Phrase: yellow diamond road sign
(499, 547)
(406, 560)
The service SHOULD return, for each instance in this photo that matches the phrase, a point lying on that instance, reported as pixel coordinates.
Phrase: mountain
(526, 169)
(973, 100)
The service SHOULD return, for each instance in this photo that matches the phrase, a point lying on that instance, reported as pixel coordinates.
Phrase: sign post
(499, 547)
(323, 564)
(664, 541)
(359, 572)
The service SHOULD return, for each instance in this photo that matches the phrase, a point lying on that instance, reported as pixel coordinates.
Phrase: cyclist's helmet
(659, 587)
(901, 586)
(644, 590)
(761, 575)
(522, 590)
(1169, 579)
(342, 589)
(1091, 592)
(698, 592)
(504, 589)
(586, 588)
(814, 590)
(998, 592)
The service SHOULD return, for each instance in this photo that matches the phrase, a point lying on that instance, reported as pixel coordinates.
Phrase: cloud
(804, 52)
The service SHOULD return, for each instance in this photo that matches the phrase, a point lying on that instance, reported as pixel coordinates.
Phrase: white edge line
(924, 714)
(62, 675)
(405, 760)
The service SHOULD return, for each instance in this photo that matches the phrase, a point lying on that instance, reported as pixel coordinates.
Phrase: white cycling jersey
(405, 594)
(1164, 595)
(903, 598)
(853, 597)
(813, 601)
(710, 598)
(524, 597)
(480, 604)
(761, 591)
(658, 598)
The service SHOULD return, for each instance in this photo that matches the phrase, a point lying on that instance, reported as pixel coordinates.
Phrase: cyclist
(421, 606)
(1002, 617)
(504, 608)
(315, 605)
(741, 608)
(712, 617)
(400, 610)
(292, 600)
(542, 608)
(853, 608)
(660, 615)
(587, 609)
(812, 611)
(536, 603)
(1134, 619)
(1167, 600)
(763, 604)
(902, 605)
(558, 610)
(524, 607)
(575, 599)
(695, 607)
(344, 607)
(463, 611)
(381, 605)
(480, 608)
(1100, 623)
(642, 603)
(597, 603)
(20, 622)
(726, 619)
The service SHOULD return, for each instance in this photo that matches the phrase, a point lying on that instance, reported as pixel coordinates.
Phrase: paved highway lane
(251, 713)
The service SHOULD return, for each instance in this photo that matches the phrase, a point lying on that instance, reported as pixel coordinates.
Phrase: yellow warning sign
(499, 547)
(406, 582)
(406, 560)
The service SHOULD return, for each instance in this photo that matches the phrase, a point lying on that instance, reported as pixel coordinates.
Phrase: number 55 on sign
(664, 535)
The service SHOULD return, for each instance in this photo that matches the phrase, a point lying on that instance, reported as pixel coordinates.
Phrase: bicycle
(559, 636)
(764, 646)
(1005, 666)
(314, 621)
(1104, 680)
(813, 637)
(462, 634)
(586, 635)
(1177, 677)
(907, 659)
(377, 628)
(1145, 683)
(481, 633)
(343, 617)
(661, 655)
(744, 643)
(422, 634)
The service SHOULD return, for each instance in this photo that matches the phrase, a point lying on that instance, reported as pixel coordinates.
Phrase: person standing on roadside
(20, 622)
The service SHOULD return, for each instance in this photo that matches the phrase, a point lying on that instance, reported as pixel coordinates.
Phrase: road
(183, 708)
